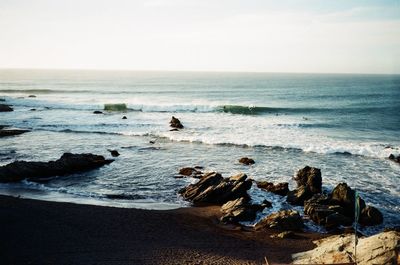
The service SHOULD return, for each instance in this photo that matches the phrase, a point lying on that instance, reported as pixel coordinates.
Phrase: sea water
(346, 125)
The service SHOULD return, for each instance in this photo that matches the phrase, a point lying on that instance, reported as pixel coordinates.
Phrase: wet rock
(298, 196)
(190, 172)
(5, 108)
(114, 153)
(246, 161)
(239, 210)
(32, 109)
(11, 132)
(370, 216)
(309, 177)
(2, 99)
(280, 188)
(31, 96)
(39, 171)
(344, 196)
(283, 235)
(175, 123)
(124, 118)
(378, 249)
(266, 204)
(97, 112)
(282, 220)
(174, 130)
(394, 158)
(309, 182)
(212, 188)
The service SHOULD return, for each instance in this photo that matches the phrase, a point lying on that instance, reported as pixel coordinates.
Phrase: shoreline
(45, 232)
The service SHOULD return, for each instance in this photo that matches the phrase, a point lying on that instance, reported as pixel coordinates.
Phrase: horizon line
(188, 71)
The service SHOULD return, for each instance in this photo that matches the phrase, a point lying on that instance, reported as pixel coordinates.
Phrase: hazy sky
(212, 35)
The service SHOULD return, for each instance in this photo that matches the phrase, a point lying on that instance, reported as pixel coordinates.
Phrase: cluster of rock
(41, 171)
(383, 248)
(329, 210)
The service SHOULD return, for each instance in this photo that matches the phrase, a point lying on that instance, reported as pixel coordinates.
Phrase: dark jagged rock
(190, 172)
(246, 161)
(32, 109)
(299, 195)
(11, 132)
(174, 130)
(114, 153)
(344, 196)
(282, 220)
(2, 99)
(239, 210)
(309, 182)
(175, 123)
(124, 118)
(5, 108)
(280, 188)
(31, 96)
(311, 178)
(370, 216)
(394, 158)
(97, 112)
(266, 204)
(39, 171)
(212, 188)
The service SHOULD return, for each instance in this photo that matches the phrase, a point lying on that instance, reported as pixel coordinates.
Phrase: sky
(340, 36)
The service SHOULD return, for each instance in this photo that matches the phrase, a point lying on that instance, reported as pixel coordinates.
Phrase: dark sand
(40, 232)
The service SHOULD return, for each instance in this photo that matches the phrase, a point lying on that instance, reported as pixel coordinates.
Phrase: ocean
(345, 124)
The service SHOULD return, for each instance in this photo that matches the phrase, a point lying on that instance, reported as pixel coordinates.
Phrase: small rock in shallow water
(5, 108)
(114, 153)
(394, 158)
(280, 188)
(190, 172)
(175, 123)
(97, 112)
(31, 96)
(12, 132)
(124, 118)
(246, 161)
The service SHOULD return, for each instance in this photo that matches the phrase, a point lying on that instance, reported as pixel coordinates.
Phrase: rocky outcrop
(309, 182)
(246, 161)
(11, 132)
(382, 248)
(175, 123)
(40, 171)
(338, 208)
(190, 172)
(280, 188)
(212, 188)
(282, 220)
(5, 108)
(240, 210)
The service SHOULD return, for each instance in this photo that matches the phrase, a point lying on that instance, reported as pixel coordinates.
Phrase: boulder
(5, 108)
(382, 248)
(309, 177)
(40, 171)
(190, 172)
(212, 188)
(11, 132)
(309, 182)
(246, 161)
(175, 123)
(239, 210)
(282, 220)
(299, 196)
(344, 196)
(370, 216)
(280, 188)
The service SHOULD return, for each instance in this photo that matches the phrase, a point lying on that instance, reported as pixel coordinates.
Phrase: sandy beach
(42, 232)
